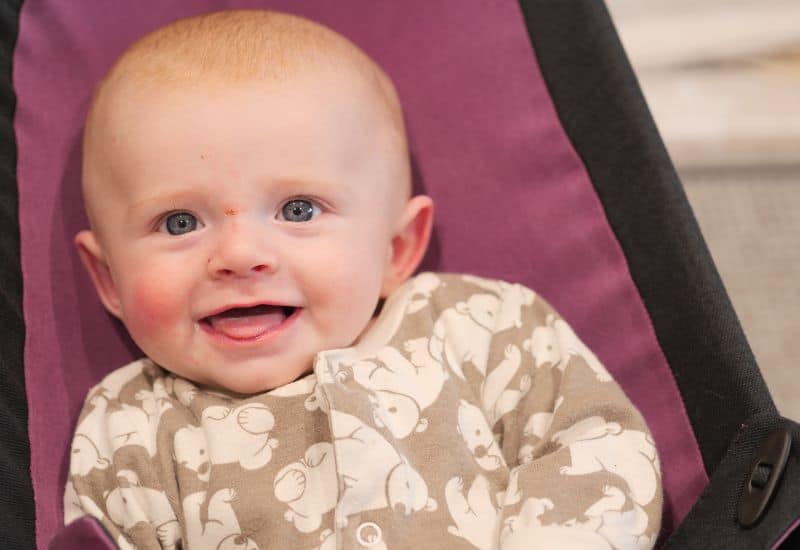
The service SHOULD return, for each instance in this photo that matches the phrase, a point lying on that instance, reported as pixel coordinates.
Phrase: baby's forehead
(335, 125)
(220, 52)
(138, 87)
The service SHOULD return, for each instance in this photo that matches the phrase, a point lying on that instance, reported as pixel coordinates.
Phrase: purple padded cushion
(513, 200)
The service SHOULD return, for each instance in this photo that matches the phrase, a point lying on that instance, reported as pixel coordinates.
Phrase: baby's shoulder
(463, 286)
(494, 303)
(430, 282)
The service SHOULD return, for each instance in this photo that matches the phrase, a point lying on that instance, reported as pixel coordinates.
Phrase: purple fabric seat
(514, 201)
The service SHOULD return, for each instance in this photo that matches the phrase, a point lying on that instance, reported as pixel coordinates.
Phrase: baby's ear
(95, 263)
(409, 242)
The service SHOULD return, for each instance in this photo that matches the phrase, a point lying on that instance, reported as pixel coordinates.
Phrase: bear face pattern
(556, 343)
(479, 438)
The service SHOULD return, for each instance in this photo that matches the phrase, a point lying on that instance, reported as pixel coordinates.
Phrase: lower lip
(261, 338)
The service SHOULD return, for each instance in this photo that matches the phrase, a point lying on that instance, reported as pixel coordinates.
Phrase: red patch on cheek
(153, 304)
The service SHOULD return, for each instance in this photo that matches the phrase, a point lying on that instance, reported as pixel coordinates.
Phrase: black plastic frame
(604, 113)
(17, 519)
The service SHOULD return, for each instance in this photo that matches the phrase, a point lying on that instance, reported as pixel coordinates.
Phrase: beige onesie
(469, 416)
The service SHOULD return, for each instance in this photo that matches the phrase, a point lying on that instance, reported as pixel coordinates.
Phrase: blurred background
(722, 79)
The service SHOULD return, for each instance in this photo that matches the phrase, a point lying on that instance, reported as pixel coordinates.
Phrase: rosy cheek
(153, 304)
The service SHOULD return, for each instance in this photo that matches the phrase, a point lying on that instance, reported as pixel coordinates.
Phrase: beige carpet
(751, 222)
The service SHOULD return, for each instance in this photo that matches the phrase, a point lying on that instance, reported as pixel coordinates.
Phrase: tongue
(242, 327)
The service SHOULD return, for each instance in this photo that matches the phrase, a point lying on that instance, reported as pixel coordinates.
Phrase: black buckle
(768, 465)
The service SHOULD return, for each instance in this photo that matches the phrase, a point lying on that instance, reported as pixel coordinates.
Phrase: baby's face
(246, 228)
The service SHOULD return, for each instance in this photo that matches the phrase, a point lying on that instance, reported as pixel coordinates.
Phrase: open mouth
(248, 323)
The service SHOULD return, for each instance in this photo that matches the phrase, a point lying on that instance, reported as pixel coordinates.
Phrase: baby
(246, 177)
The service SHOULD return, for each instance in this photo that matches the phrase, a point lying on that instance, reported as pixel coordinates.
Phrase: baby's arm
(584, 467)
(111, 478)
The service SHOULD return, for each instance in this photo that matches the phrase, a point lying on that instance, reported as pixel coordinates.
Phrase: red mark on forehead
(231, 212)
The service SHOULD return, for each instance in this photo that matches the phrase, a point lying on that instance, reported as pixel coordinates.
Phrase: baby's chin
(246, 382)
(244, 388)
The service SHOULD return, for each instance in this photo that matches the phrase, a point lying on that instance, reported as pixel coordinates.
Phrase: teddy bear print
(473, 513)
(305, 386)
(422, 288)
(153, 401)
(605, 525)
(536, 427)
(190, 450)
(309, 487)
(184, 391)
(539, 423)
(77, 506)
(478, 437)
(526, 531)
(400, 389)
(372, 474)
(462, 333)
(131, 425)
(130, 503)
(85, 455)
(91, 447)
(555, 343)
(497, 398)
(112, 385)
(596, 445)
(622, 529)
(301, 386)
(221, 530)
(513, 297)
(239, 435)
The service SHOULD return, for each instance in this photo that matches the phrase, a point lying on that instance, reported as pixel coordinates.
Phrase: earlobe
(409, 242)
(94, 261)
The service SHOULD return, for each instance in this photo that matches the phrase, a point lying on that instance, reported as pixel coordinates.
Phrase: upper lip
(244, 305)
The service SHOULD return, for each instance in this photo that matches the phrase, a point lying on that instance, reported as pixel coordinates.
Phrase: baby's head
(247, 183)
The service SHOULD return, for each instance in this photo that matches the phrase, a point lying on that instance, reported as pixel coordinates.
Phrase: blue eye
(180, 223)
(299, 210)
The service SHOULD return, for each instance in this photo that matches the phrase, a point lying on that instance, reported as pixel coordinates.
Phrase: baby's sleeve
(583, 466)
(112, 474)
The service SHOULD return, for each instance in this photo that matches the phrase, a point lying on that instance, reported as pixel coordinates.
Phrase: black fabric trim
(712, 521)
(17, 527)
(604, 113)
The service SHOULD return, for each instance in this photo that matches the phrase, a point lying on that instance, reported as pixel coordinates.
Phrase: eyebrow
(172, 198)
(327, 186)
(281, 184)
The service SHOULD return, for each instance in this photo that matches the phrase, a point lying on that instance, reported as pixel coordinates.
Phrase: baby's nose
(242, 253)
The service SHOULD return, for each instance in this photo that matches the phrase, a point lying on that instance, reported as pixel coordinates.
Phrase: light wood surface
(722, 77)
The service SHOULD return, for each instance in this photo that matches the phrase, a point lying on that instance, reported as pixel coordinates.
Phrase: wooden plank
(687, 32)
